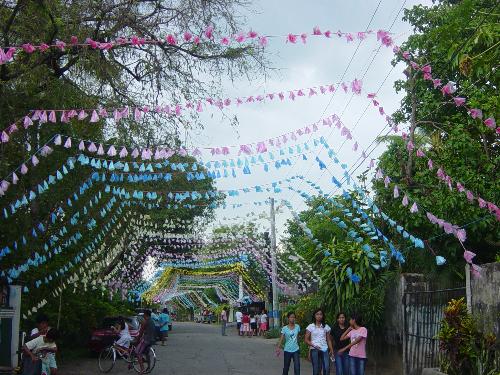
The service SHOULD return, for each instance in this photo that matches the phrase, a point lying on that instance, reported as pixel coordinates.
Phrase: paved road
(199, 349)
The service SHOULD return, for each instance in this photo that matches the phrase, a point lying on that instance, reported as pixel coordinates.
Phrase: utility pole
(274, 266)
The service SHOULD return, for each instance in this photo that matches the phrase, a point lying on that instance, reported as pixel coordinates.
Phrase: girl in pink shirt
(357, 348)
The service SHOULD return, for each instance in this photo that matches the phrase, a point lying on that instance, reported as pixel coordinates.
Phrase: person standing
(253, 324)
(146, 339)
(41, 349)
(239, 315)
(155, 317)
(263, 323)
(223, 321)
(41, 329)
(319, 340)
(289, 333)
(245, 320)
(357, 348)
(164, 320)
(341, 358)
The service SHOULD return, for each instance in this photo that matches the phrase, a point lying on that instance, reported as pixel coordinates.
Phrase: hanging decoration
(183, 40)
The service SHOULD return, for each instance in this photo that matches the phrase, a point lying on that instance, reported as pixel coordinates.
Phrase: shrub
(463, 349)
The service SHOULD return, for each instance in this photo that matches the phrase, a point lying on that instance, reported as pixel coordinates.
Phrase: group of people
(344, 344)
(40, 348)
(162, 323)
(250, 324)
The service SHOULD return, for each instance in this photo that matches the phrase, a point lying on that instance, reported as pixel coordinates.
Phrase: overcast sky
(320, 61)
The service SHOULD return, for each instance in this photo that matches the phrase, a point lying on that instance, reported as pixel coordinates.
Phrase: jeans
(341, 363)
(320, 360)
(357, 365)
(223, 327)
(288, 356)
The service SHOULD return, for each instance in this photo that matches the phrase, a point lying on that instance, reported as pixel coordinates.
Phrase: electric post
(276, 319)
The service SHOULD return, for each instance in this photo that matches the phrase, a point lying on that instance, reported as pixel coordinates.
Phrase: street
(199, 349)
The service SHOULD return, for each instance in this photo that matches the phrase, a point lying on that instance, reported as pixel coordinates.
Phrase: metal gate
(423, 312)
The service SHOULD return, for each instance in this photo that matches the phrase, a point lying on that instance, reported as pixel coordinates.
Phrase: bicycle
(107, 358)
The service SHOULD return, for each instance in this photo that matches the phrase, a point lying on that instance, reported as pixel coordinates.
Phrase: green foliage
(465, 350)
(81, 311)
(79, 77)
(337, 292)
(273, 333)
(463, 147)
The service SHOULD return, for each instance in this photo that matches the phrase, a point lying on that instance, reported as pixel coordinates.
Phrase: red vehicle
(104, 336)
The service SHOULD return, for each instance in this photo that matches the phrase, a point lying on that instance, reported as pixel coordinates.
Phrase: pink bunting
(396, 192)
(209, 32)
(356, 86)
(405, 200)
(67, 144)
(4, 137)
(92, 147)
(468, 256)
(469, 195)
(27, 122)
(387, 180)
(459, 101)
(15, 179)
(24, 169)
(58, 140)
(94, 117)
(111, 151)
(490, 123)
(414, 208)
(52, 117)
(476, 271)
(34, 160)
(292, 38)
(123, 152)
(449, 88)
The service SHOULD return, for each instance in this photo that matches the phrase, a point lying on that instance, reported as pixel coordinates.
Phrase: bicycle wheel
(149, 361)
(152, 359)
(107, 359)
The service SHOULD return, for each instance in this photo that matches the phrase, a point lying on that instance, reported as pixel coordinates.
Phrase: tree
(465, 148)
(83, 77)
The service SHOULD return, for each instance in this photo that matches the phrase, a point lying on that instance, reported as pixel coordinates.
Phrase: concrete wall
(405, 282)
(484, 298)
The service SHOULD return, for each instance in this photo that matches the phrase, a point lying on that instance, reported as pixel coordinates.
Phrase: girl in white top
(123, 342)
(263, 323)
(320, 343)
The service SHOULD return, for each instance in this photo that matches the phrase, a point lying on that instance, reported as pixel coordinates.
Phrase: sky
(319, 62)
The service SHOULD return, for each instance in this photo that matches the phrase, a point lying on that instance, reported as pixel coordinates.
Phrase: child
(253, 324)
(44, 348)
(123, 343)
(246, 324)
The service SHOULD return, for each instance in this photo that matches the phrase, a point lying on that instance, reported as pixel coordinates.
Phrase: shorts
(253, 325)
(238, 325)
(263, 326)
(52, 360)
(246, 327)
(163, 334)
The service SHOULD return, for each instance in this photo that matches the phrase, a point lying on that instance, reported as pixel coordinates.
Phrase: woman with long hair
(320, 343)
(289, 333)
(341, 358)
(357, 348)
